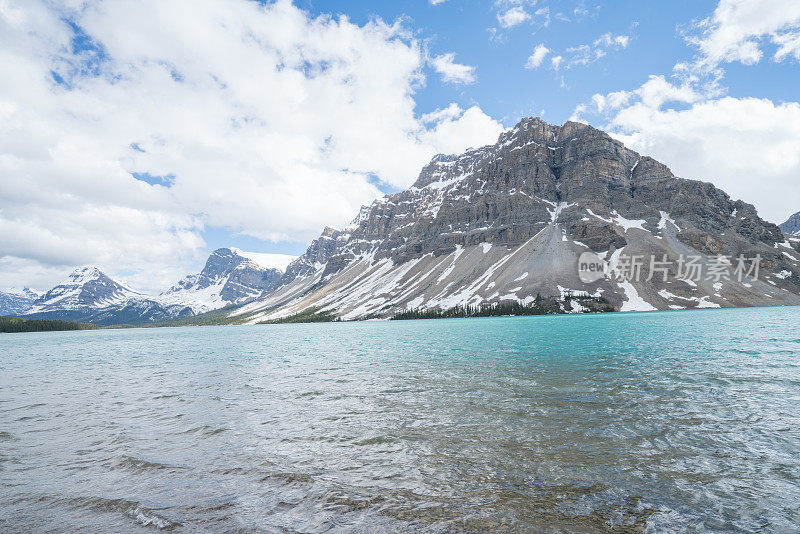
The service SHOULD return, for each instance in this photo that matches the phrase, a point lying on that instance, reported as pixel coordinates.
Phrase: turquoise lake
(650, 422)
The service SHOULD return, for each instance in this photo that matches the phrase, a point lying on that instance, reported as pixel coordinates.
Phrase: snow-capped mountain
(89, 295)
(17, 301)
(230, 276)
(792, 226)
(506, 222)
(87, 288)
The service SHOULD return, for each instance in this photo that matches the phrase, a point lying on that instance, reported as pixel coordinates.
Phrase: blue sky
(504, 88)
(138, 136)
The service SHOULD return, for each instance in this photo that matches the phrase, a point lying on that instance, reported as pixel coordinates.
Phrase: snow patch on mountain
(267, 260)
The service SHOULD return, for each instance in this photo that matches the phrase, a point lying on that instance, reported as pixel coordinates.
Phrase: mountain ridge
(530, 205)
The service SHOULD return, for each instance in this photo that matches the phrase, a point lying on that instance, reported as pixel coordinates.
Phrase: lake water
(671, 421)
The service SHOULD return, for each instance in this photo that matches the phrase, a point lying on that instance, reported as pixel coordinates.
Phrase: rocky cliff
(509, 221)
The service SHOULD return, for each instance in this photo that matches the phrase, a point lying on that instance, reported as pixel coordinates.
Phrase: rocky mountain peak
(86, 274)
(86, 287)
(792, 226)
(507, 192)
(509, 220)
(228, 277)
(221, 262)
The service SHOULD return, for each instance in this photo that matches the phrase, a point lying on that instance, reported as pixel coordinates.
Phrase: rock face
(509, 221)
(792, 226)
(16, 302)
(229, 277)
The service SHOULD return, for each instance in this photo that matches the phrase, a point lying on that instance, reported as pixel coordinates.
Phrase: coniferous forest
(13, 325)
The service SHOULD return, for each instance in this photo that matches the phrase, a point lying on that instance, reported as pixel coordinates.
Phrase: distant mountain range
(505, 223)
(230, 277)
(792, 226)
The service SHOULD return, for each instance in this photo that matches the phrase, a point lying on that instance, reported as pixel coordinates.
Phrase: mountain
(85, 288)
(15, 302)
(91, 296)
(510, 221)
(230, 276)
(792, 226)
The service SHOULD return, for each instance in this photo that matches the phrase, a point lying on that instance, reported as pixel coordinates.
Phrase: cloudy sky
(138, 135)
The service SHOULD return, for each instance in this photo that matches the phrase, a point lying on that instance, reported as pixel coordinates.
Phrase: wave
(140, 465)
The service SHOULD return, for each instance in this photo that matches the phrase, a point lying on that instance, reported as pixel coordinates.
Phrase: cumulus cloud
(536, 59)
(512, 17)
(738, 30)
(451, 71)
(128, 127)
(746, 146)
(512, 13)
(453, 129)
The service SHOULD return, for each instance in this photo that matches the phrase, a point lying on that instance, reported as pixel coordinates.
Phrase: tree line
(14, 325)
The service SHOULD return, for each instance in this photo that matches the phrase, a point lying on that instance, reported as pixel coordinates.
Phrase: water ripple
(679, 422)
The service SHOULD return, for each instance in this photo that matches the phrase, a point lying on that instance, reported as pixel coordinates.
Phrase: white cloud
(580, 55)
(453, 129)
(451, 71)
(746, 146)
(737, 30)
(437, 2)
(535, 60)
(586, 54)
(609, 40)
(513, 17)
(653, 94)
(788, 45)
(270, 123)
